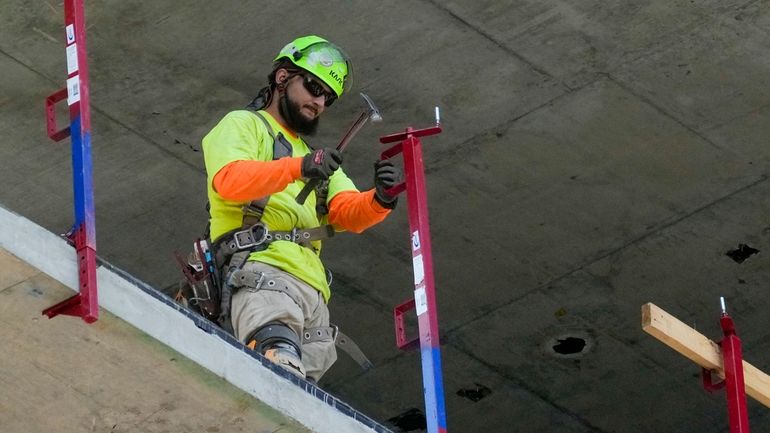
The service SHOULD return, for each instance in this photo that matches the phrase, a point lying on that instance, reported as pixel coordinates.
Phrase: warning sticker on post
(419, 270)
(72, 59)
(70, 33)
(415, 240)
(420, 301)
(73, 90)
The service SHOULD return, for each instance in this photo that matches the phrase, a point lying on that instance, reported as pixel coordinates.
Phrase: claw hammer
(370, 112)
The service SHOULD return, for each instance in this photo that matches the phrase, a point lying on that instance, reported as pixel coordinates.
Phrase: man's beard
(294, 119)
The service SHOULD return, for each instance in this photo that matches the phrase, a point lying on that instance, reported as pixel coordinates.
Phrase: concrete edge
(184, 331)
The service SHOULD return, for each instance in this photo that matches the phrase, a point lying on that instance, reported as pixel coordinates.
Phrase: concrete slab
(601, 304)
(524, 410)
(577, 42)
(712, 74)
(609, 377)
(587, 148)
(610, 179)
(693, 270)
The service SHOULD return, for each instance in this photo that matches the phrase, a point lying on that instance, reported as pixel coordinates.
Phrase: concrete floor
(596, 156)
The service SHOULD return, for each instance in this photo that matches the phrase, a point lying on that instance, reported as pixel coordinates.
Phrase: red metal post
(85, 303)
(424, 302)
(733, 365)
(733, 383)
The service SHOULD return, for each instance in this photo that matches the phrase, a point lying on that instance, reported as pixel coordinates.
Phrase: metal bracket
(708, 383)
(50, 116)
(82, 304)
(398, 317)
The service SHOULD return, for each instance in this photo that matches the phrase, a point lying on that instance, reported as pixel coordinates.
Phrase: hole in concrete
(569, 346)
(740, 254)
(476, 393)
(411, 420)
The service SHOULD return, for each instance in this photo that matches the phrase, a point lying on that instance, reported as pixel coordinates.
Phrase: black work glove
(321, 163)
(386, 176)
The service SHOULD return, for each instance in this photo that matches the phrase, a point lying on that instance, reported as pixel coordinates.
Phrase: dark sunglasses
(317, 89)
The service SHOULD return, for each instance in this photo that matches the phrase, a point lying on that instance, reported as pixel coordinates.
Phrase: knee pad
(275, 335)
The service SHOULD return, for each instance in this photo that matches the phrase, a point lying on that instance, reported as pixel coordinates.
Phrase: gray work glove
(321, 164)
(386, 176)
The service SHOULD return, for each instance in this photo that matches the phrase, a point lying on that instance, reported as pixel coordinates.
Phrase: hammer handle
(309, 186)
(352, 131)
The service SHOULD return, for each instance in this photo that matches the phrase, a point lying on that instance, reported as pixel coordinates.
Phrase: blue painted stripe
(82, 180)
(89, 211)
(77, 172)
(435, 411)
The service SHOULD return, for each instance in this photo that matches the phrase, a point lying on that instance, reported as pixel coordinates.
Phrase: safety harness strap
(258, 236)
(253, 210)
(254, 281)
(342, 341)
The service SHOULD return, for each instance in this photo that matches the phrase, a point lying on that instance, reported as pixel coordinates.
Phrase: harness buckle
(248, 238)
(336, 332)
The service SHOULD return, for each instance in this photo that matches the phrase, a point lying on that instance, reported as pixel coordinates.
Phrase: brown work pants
(283, 298)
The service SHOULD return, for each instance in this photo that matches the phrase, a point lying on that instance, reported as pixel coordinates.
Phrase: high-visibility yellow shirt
(242, 136)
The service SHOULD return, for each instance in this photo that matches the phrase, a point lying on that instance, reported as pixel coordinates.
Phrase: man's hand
(386, 176)
(321, 163)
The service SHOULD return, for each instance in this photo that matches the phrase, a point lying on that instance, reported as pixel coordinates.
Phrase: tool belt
(205, 269)
(258, 237)
(200, 289)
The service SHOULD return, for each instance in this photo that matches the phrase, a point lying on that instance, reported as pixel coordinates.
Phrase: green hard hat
(321, 58)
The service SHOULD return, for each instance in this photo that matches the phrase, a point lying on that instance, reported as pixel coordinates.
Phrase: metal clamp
(336, 332)
(247, 238)
(50, 116)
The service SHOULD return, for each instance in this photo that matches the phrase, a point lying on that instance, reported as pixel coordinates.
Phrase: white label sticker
(70, 34)
(72, 59)
(419, 271)
(420, 301)
(73, 90)
(415, 241)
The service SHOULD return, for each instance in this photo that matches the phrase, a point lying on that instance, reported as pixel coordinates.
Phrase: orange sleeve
(251, 180)
(356, 211)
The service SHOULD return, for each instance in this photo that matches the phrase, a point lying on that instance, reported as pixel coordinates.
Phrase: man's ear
(281, 76)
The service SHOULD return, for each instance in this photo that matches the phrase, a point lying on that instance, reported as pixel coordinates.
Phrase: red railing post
(84, 304)
(424, 302)
(733, 364)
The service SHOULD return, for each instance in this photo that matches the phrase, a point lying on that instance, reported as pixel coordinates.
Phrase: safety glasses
(317, 89)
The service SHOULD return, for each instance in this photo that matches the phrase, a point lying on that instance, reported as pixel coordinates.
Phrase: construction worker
(267, 244)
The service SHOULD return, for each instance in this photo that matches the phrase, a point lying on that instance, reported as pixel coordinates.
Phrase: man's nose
(319, 100)
(318, 103)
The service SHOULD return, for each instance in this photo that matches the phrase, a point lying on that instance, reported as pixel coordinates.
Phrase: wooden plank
(63, 375)
(700, 349)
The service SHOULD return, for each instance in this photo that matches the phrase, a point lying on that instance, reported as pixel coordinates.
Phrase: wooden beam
(700, 349)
